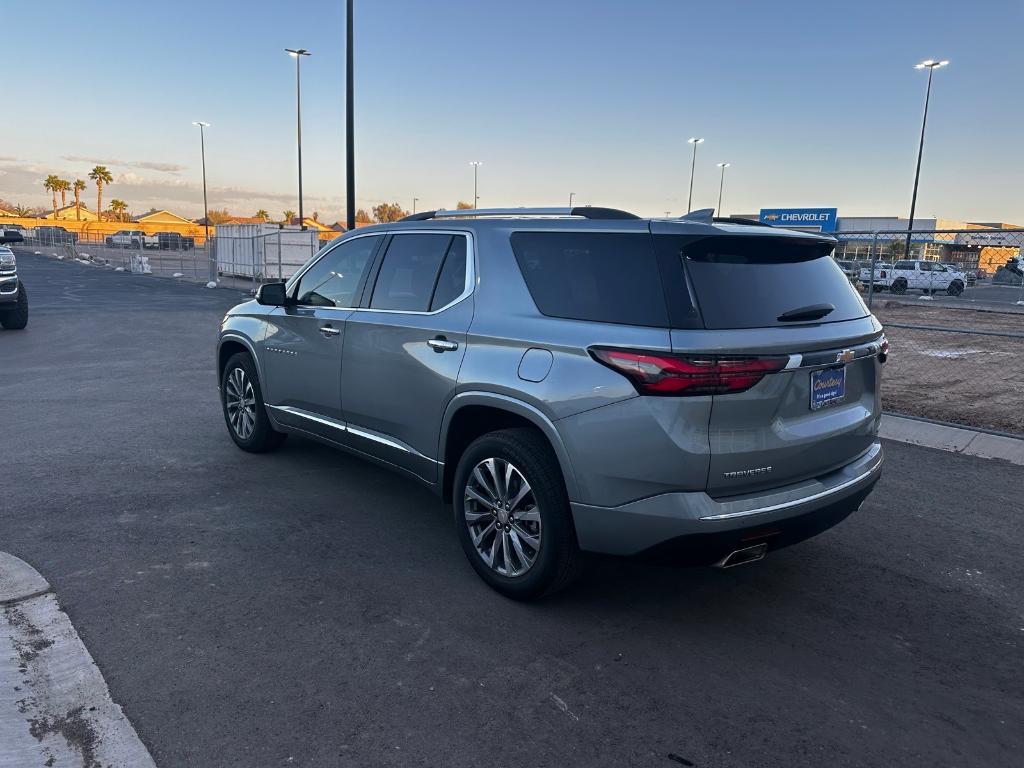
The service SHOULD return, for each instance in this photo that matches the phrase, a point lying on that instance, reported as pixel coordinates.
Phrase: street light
(721, 185)
(297, 54)
(476, 167)
(206, 209)
(571, 196)
(350, 140)
(693, 163)
(931, 66)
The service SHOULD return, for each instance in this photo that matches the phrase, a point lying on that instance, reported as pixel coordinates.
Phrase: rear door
(781, 297)
(404, 347)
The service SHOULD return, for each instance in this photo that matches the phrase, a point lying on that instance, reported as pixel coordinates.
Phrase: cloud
(148, 165)
(5, 159)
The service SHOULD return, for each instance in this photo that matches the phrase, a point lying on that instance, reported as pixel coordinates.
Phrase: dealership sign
(818, 219)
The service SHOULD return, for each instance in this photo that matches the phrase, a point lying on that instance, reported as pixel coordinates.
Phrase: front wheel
(16, 318)
(512, 514)
(244, 411)
(899, 287)
(955, 288)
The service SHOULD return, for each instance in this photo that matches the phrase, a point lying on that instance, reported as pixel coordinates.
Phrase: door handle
(441, 344)
(328, 330)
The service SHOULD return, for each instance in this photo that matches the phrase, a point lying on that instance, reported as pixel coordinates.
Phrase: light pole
(206, 208)
(721, 185)
(476, 198)
(571, 196)
(297, 54)
(414, 201)
(350, 139)
(931, 66)
(693, 164)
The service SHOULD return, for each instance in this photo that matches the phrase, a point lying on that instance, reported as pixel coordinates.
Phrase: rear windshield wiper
(812, 312)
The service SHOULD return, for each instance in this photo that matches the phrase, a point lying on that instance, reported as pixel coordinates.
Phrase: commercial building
(977, 244)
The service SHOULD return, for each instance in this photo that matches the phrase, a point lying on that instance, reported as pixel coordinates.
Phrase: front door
(403, 349)
(304, 341)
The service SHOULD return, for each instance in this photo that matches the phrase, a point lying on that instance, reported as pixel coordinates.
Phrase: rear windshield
(601, 276)
(759, 282)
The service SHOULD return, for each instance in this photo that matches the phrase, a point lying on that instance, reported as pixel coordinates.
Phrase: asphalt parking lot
(307, 609)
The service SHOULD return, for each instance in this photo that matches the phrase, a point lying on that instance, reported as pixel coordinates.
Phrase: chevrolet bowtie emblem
(845, 356)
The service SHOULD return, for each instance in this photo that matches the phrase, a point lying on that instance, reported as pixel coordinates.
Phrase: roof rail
(586, 212)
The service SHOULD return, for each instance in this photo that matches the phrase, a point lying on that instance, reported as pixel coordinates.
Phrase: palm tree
(79, 187)
(262, 214)
(63, 187)
(288, 216)
(51, 184)
(23, 210)
(101, 176)
(118, 207)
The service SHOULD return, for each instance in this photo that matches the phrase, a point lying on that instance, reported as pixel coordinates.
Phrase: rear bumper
(694, 528)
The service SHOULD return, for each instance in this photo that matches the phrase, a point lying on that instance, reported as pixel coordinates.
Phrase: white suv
(925, 276)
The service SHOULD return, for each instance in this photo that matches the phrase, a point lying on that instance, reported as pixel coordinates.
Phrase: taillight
(883, 273)
(656, 373)
(883, 350)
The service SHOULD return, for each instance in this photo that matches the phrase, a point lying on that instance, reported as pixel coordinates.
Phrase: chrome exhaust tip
(745, 555)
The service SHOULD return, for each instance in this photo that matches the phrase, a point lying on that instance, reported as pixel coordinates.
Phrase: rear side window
(452, 280)
(598, 276)
(409, 272)
(760, 282)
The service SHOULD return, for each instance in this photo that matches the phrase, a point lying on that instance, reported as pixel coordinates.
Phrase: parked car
(132, 238)
(13, 296)
(926, 276)
(54, 235)
(11, 233)
(881, 272)
(702, 391)
(970, 278)
(174, 241)
(850, 268)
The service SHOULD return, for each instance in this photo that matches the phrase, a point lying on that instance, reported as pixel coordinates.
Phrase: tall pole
(721, 186)
(693, 164)
(350, 151)
(476, 197)
(414, 201)
(571, 196)
(297, 54)
(206, 206)
(930, 66)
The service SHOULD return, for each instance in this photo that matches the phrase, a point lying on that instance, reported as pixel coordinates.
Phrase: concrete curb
(953, 439)
(19, 580)
(55, 707)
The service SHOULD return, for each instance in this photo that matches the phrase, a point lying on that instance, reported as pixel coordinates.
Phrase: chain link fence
(953, 310)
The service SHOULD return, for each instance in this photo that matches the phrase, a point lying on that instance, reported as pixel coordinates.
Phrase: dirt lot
(970, 379)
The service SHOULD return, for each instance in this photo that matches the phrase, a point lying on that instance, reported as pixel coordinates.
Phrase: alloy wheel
(240, 401)
(503, 518)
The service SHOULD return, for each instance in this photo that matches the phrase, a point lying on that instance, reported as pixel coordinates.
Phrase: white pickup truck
(926, 276)
(132, 238)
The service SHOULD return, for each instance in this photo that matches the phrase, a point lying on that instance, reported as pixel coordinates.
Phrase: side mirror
(272, 295)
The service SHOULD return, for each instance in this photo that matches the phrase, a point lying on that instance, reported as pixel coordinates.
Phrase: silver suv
(698, 390)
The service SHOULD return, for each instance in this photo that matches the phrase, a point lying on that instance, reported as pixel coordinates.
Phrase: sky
(813, 104)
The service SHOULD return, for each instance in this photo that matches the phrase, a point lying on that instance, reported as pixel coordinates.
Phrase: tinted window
(751, 282)
(904, 265)
(604, 277)
(452, 280)
(409, 271)
(334, 279)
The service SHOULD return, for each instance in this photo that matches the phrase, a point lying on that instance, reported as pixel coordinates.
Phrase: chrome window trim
(797, 502)
(467, 289)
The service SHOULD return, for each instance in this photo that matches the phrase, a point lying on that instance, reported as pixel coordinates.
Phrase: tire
(546, 518)
(135, 243)
(955, 288)
(899, 287)
(109, 243)
(251, 431)
(16, 319)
